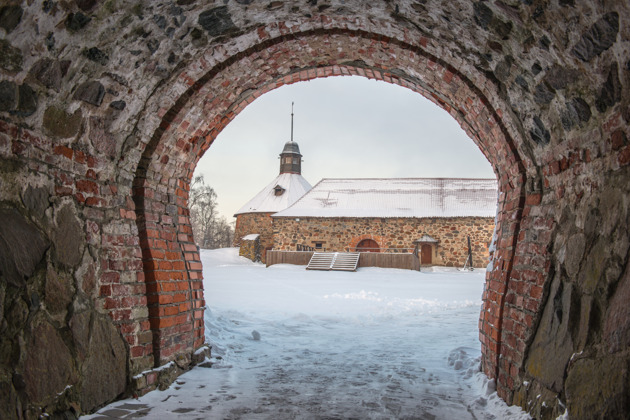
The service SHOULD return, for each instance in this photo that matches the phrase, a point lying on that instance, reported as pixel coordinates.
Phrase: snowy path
(375, 344)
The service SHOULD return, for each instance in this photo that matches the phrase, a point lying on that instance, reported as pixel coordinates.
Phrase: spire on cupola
(290, 158)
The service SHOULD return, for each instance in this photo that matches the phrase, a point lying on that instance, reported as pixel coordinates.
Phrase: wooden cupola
(291, 158)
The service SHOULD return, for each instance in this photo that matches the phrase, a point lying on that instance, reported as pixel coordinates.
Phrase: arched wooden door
(368, 245)
(426, 254)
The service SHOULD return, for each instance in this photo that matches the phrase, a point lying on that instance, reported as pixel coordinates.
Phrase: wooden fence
(377, 259)
(367, 259)
(288, 257)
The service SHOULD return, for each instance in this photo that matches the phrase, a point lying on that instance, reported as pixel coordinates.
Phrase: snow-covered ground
(294, 344)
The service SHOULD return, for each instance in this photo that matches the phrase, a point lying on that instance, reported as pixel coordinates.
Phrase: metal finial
(291, 121)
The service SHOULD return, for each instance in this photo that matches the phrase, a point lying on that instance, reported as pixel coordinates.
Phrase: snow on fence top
(279, 194)
(397, 197)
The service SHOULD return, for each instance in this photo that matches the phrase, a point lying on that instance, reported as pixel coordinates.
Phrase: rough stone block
(217, 21)
(610, 398)
(8, 96)
(58, 292)
(10, 17)
(47, 357)
(17, 100)
(58, 123)
(610, 92)
(68, 237)
(50, 72)
(76, 21)
(22, 247)
(91, 92)
(105, 370)
(100, 138)
(10, 57)
(599, 37)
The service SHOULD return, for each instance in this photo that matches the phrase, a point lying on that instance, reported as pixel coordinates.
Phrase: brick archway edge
(507, 163)
(356, 240)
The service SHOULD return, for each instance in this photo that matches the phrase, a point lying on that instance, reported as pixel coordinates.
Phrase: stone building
(255, 216)
(393, 215)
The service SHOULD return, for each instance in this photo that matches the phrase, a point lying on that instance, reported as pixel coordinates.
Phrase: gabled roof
(266, 201)
(425, 239)
(397, 197)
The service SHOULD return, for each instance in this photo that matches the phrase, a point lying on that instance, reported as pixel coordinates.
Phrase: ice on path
(374, 344)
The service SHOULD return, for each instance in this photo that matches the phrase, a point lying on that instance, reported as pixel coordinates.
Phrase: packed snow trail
(295, 344)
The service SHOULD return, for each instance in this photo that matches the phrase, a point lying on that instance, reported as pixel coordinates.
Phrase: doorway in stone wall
(426, 254)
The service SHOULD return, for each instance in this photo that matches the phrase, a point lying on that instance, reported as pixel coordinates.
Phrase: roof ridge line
(410, 178)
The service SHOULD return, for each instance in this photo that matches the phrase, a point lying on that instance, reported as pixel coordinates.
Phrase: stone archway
(104, 114)
(367, 245)
(187, 131)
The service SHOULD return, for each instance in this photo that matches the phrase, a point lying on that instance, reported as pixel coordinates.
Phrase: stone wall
(251, 249)
(255, 223)
(106, 107)
(56, 350)
(342, 234)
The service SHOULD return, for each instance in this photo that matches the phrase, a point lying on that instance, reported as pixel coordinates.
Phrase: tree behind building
(210, 230)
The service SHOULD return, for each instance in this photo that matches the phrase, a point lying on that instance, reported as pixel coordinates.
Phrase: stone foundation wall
(255, 223)
(251, 249)
(339, 234)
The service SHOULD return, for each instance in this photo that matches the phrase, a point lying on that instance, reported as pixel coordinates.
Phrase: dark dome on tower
(291, 147)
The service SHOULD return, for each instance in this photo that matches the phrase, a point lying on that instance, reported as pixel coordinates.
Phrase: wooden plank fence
(367, 259)
(288, 257)
(377, 259)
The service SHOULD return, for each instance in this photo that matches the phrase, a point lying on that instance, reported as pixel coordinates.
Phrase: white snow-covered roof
(267, 201)
(397, 197)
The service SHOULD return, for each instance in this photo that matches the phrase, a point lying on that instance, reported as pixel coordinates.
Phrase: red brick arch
(215, 94)
(356, 240)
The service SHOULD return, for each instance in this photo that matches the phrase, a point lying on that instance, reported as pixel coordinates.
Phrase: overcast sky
(346, 127)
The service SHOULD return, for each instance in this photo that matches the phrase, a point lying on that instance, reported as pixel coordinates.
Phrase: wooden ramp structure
(406, 261)
(337, 261)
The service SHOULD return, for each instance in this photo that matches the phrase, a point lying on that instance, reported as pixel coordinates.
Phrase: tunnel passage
(105, 112)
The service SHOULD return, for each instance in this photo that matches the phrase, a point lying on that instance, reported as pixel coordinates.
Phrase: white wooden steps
(338, 261)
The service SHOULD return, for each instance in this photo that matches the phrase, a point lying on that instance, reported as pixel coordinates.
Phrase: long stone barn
(436, 215)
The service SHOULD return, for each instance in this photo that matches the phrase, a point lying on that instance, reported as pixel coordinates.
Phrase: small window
(319, 245)
(278, 190)
(296, 161)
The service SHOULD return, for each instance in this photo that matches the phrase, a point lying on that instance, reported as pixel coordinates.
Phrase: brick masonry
(104, 113)
(343, 234)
